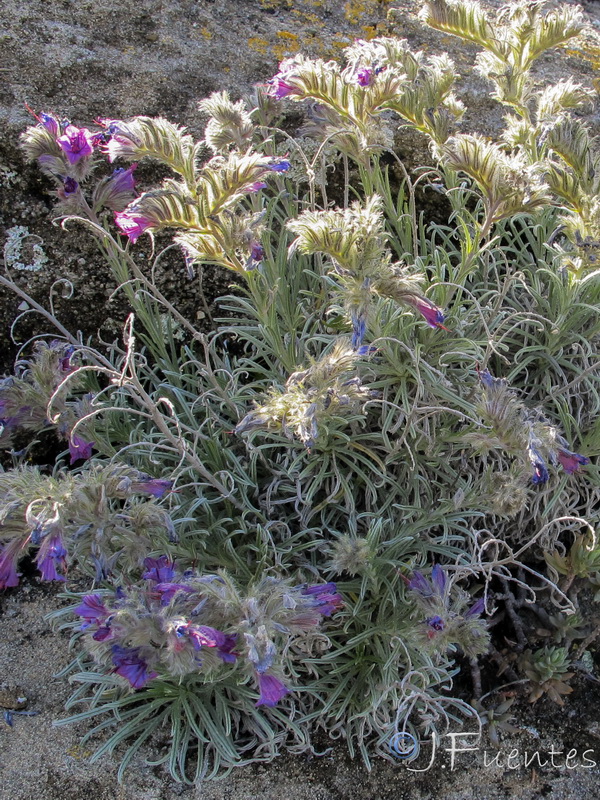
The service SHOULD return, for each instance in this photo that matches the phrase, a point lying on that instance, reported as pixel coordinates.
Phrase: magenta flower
(79, 448)
(364, 76)
(133, 224)
(571, 462)
(76, 143)
(51, 558)
(129, 665)
(9, 558)
(160, 569)
(433, 315)
(271, 690)
(92, 609)
(279, 86)
(256, 186)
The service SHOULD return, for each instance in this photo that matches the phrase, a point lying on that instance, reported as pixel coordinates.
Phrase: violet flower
(168, 591)
(157, 487)
(69, 188)
(79, 448)
(257, 253)
(571, 462)
(476, 609)
(50, 122)
(51, 557)
(76, 143)
(272, 690)
(359, 327)
(9, 558)
(160, 569)
(324, 597)
(540, 471)
(92, 609)
(436, 623)
(364, 76)
(257, 186)
(129, 665)
(117, 191)
(279, 165)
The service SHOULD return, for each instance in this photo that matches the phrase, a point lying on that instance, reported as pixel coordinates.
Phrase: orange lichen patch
(354, 10)
(308, 17)
(287, 45)
(369, 32)
(268, 5)
(258, 44)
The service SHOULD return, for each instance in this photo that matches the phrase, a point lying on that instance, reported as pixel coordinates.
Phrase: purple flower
(225, 648)
(366, 350)
(571, 462)
(486, 378)
(359, 327)
(279, 86)
(103, 633)
(9, 558)
(205, 636)
(325, 597)
(64, 362)
(69, 188)
(419, 584)
(257, 186)
(133, 224)
(279, 165)
(439, 580)
(117, 191)
(76, 143)
(364, 76)
(79, 448)
(91, 608)
(436, 623)
(123, 141)
(476, 609)
(51, 557)
(129, 665)
(271, 690)
(257, 251)
(433, 315)
(49, 122)
(168, 591)
(540, 471)
(160, 569)
(157, 487)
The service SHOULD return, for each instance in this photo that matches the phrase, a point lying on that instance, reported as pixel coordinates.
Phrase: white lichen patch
(23, 250)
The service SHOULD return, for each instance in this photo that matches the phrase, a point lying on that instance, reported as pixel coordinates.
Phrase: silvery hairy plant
(302, 515)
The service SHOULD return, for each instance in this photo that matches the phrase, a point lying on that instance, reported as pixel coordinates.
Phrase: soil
(121, 58)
